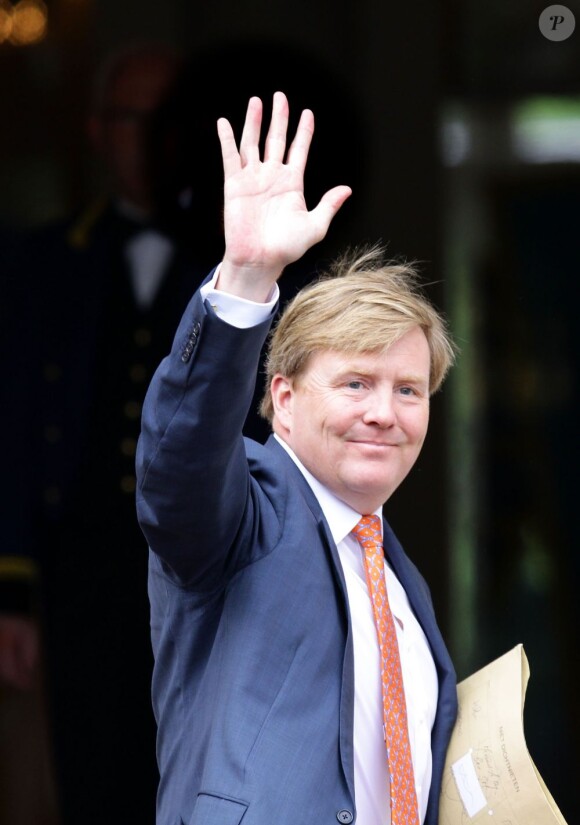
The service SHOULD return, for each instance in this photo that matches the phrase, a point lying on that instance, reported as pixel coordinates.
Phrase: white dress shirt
(371, 777)
(148, 255)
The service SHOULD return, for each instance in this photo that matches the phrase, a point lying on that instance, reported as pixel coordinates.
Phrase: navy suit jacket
(253, 682)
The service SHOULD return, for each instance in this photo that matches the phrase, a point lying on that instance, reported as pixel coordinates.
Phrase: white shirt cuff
(239, 312)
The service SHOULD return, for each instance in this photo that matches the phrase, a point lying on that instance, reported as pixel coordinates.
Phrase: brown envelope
(489, 775)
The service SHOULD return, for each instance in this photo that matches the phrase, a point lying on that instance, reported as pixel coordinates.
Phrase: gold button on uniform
(52, 372)
(132, 410)
(52, 433)
(128, 484)
(142, 337)
(128, 447)
(52, 495)
(137, 373)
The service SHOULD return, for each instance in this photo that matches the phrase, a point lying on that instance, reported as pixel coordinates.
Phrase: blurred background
(457, 122)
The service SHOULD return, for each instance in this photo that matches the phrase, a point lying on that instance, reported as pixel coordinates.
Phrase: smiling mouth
(367, 443)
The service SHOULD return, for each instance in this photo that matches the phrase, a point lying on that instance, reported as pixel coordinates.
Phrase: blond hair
(363, 303)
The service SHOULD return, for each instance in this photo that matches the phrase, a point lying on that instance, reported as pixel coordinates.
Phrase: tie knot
(368, 531)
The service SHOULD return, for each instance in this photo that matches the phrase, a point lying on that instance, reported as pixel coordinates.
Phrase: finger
(250, 142)
(328, 206)
(298, 152)
(275, 147)
(230, 155)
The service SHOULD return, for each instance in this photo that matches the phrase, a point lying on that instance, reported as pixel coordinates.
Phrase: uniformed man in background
(90, 306)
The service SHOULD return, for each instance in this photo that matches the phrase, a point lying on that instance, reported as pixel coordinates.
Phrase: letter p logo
(557, 23)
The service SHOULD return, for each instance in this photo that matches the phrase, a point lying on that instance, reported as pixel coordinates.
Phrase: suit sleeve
(194, 490)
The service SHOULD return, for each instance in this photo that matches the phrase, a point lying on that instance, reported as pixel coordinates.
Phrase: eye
(408, 391)
(355, 385)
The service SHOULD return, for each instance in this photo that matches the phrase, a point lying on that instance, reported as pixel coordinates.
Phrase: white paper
(468, 785)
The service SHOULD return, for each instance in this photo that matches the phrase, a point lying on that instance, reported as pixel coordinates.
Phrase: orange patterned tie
(404, 809)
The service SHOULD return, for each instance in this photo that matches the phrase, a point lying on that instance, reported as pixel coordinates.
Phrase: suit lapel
(329, 546)
(414, 586)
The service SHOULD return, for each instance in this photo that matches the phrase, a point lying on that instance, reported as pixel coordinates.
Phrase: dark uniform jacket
(77, 355)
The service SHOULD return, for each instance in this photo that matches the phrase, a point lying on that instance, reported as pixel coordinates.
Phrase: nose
(380, 408)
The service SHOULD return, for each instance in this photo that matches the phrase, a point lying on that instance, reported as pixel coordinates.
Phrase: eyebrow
(352, 369)
(421, 383)
(414, 379)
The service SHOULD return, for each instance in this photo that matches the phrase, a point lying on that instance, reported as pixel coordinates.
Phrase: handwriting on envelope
(489, 775)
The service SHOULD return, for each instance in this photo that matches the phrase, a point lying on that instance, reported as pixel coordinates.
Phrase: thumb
(328, 206)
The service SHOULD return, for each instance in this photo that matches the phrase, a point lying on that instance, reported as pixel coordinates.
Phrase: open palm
(267, 223)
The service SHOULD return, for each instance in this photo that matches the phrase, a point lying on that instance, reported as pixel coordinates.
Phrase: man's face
(357, 422)
(122, 133)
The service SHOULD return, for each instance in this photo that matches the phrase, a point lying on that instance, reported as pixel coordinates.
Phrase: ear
(282, 390)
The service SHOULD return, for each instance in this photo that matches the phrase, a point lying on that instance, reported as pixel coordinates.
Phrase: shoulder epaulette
(17, 567)
(78, 235)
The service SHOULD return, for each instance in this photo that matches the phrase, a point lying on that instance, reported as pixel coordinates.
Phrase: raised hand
(267, 224)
